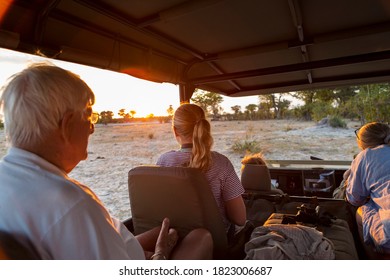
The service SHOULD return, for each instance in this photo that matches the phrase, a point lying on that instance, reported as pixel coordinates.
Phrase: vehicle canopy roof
(232, 47)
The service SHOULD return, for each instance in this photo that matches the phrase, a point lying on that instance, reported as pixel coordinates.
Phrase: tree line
(365, 103)
(106, 117)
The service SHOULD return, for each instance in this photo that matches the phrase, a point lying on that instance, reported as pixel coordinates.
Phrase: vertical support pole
(186, 92)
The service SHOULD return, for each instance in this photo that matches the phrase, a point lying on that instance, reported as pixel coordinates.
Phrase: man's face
(80, 130)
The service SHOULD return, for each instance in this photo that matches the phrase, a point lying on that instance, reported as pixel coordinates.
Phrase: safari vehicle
(235, 48)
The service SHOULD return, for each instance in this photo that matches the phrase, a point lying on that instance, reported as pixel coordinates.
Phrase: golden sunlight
(115, 91)
(4, 6)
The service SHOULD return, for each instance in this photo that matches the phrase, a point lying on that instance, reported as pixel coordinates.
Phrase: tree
(150, 116)
(342, 95)
(366, 102)
(209, 101)
(275, 103)
(106, 117)
(308, 97)
(126, 116)
(322, 109)
(200, 99)
(170, 111)
(132, 113)
(251, 110)
(282, 105)
(371, 103)
(122, 112)
(237, 110)
(264, 108)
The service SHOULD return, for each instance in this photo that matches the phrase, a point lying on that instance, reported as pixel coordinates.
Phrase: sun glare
(4, 6)
(113, 91)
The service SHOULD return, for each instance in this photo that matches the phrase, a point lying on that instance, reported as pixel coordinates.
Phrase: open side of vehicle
(235, 48)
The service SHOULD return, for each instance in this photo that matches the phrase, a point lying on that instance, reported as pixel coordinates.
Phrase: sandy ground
(115, 149)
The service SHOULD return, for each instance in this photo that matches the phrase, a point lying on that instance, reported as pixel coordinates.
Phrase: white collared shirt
(62, 218)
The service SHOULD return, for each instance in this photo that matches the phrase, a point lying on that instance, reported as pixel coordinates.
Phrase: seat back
(257, 178)
(183, 195)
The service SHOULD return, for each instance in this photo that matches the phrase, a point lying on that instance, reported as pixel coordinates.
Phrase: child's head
(254, 159)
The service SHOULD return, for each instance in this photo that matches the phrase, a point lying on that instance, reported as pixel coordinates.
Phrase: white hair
(35, 100)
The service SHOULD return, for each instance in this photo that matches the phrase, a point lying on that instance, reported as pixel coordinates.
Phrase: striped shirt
(221, 176)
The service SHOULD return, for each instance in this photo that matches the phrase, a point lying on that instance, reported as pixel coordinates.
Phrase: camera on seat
(307, 214)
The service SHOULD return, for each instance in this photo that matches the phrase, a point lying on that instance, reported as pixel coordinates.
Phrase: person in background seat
(255, 175)
(370, 141)
(369, 184)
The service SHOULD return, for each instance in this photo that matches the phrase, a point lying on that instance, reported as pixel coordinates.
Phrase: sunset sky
(115, 91)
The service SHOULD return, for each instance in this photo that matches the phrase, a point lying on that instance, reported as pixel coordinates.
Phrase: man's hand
(166, 241)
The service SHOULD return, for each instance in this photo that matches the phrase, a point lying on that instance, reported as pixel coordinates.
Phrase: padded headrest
(255, 177)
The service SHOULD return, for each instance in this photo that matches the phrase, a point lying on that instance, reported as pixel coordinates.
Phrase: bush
(336, 121)
(320, 110)
(1, 124)
(288, 128)
(251, 146)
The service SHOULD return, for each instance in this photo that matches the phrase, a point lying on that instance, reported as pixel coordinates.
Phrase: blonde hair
(35, 100)
(190, 121)
(373, 134)
(254, 159)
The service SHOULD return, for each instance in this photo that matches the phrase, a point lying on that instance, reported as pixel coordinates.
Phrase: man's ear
(65, 126)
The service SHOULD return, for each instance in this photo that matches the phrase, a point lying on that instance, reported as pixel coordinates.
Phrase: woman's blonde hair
(190, 121)
(373, 134)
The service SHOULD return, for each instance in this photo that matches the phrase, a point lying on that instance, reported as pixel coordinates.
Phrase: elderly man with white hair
(48, 119)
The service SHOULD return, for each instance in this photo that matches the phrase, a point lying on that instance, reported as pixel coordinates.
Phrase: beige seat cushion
(257, 178)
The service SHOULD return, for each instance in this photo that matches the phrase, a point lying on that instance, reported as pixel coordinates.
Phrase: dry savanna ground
(115, 149)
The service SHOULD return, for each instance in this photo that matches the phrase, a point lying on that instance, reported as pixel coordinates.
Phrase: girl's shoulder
(218, 155)
(173, 157)
(220, 158)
